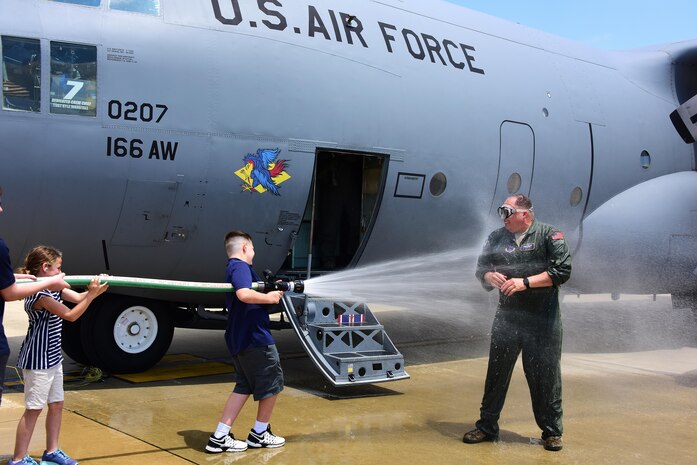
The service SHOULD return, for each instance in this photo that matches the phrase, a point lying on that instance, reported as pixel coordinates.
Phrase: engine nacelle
(643, 240)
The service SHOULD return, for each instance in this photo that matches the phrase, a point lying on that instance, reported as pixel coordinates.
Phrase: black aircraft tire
(126, 334)
(72, 342)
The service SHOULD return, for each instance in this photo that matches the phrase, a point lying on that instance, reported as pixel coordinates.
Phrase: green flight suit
(529, 322)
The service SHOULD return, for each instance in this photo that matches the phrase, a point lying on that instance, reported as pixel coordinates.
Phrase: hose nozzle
(286, 285)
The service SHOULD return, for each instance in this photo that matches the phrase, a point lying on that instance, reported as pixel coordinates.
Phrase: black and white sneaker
(264, 439)
(227, 443)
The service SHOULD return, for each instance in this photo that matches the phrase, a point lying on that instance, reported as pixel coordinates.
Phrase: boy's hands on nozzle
(275, 296)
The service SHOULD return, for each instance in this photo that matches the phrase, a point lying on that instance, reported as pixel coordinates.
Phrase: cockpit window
(81, 2)
(21, 74)
(151, 7)
(73, 79)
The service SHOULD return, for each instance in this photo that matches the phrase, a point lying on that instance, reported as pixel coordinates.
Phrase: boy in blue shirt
(253, 350)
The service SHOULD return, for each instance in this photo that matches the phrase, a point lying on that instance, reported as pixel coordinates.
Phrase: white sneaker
(227, 443)
(264, 439)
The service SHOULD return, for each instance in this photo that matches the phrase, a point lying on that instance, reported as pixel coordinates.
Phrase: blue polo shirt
(7, 279)
(247, 324)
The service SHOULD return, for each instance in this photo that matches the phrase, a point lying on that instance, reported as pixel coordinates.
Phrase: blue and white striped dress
(41, 348)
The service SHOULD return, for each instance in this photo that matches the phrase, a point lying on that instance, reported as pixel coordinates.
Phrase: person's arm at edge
(20, 291)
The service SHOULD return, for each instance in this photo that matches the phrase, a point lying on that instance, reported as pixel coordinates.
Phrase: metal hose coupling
(279, 283)
(285, 286)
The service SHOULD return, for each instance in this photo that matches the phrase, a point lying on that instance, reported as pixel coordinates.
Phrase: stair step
(344, 340)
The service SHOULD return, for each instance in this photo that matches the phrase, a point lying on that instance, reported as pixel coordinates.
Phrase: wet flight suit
(528, 321)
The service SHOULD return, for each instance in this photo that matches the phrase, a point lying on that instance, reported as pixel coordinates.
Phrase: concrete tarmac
(630, 396)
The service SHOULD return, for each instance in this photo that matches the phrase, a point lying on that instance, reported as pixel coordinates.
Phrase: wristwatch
(526, 282)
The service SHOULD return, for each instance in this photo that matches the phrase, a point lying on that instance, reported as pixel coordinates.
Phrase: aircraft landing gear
(72, 342)
(121, 334)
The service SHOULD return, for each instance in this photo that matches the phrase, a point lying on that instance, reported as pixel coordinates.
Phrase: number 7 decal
(77, 86)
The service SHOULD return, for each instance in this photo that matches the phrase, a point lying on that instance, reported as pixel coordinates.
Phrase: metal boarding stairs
(344, 340)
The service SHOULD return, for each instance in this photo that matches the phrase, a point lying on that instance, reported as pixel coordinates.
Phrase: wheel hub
(135, 329)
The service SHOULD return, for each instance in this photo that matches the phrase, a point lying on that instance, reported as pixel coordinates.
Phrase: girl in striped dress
(41, 358)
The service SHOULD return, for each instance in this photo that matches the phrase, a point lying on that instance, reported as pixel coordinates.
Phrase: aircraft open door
(340, 212)
(343, 339)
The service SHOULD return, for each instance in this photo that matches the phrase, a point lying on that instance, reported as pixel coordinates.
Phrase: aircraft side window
(21, 74)
(73, 79)
(438, 184)
(514, 183)
(150, 7)
(81, 2)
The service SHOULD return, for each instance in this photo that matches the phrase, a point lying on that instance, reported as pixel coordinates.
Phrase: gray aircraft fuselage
(387, 128)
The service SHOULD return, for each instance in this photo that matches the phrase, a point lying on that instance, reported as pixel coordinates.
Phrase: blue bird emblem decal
(263, 171)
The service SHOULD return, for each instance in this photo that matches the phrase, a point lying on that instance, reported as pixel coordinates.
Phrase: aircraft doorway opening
(340, 212)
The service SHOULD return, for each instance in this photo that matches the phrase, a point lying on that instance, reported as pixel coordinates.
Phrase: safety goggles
(506, 211)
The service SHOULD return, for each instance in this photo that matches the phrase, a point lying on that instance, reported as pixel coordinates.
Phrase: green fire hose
(173, 285)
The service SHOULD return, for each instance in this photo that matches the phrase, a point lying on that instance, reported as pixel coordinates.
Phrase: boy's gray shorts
(258, 372)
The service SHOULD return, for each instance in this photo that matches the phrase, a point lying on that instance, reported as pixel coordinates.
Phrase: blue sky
(612, 24)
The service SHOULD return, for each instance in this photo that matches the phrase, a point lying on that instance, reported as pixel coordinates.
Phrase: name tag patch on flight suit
(527, 247)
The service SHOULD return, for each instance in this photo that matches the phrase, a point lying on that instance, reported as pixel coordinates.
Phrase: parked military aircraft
(136, 134)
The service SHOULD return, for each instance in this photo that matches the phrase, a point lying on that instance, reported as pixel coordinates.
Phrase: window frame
(54, 79)
(36, 79)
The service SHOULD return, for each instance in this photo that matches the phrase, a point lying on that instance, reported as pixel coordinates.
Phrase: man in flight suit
(526, 261)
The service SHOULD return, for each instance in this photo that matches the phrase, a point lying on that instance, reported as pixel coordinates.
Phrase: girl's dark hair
(37, 257)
